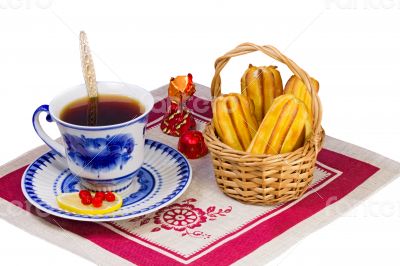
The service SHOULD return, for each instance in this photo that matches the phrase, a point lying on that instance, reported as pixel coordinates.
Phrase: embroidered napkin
(205, 227)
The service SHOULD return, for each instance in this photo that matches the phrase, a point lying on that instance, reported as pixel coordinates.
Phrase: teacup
(105, 158)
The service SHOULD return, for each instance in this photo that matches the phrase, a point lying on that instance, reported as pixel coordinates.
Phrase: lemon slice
(72, 203)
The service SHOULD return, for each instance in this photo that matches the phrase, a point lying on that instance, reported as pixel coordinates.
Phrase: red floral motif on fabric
(183, 217)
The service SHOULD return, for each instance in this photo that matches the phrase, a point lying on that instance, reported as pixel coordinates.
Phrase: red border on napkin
(354, 173)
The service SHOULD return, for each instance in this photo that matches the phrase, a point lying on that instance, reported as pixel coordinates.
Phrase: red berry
(110, 197)
(86, 200)
(84, 194)
(97, 202)
(100, 195)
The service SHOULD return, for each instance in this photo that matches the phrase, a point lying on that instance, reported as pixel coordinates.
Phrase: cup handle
(57, 147)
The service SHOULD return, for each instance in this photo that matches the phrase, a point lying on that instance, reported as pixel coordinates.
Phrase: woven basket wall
(264, 179)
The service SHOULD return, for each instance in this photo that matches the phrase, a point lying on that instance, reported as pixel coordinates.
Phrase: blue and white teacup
(105, 158)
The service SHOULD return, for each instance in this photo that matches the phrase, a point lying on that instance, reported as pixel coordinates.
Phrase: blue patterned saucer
(163, 177)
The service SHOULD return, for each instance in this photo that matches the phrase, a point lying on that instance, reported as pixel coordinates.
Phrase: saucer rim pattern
(183, 182)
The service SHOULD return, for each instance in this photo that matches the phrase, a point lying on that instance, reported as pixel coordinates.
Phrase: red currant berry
(84, 194)
(86, 200)
(97, 202)
(110, 197)
(100, 194)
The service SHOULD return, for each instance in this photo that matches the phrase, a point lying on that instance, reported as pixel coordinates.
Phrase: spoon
(89, 75)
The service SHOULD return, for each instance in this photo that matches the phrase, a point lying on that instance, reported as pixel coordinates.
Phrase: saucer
(163, 177)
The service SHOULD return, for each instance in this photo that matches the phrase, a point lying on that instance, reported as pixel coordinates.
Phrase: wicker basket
(264, 179)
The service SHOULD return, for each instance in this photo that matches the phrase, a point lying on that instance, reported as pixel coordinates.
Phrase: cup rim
(96, 128)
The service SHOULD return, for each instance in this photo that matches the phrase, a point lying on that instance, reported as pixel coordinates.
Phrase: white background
(351, 46)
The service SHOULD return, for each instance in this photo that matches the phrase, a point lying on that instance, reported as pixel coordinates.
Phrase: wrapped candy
(192, 144)
(178, 118)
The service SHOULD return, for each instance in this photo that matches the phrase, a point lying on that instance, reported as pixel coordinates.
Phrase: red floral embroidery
(180, 216)
(183, 217)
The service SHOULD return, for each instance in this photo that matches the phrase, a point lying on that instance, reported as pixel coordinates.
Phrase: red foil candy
(176, 122)
(192, 144)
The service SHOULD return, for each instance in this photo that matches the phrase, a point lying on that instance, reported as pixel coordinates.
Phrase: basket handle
(271, 51)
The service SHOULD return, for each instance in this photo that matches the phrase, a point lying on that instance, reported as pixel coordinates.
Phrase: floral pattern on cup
(99, 154)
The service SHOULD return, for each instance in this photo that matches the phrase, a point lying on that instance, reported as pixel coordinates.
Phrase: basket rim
(213, 140)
